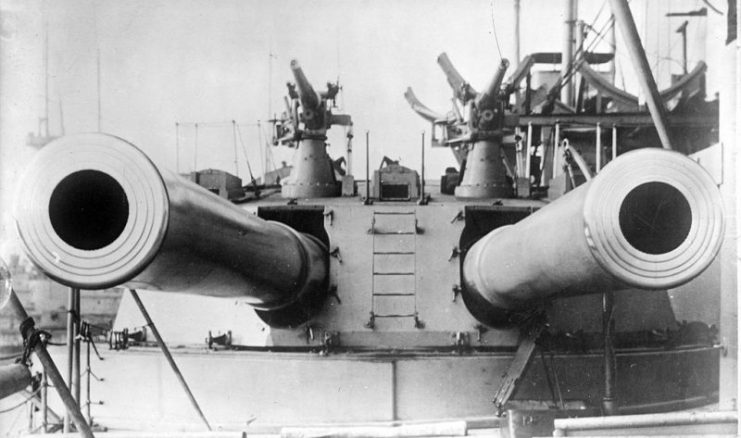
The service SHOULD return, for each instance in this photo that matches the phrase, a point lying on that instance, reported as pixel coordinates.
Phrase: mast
(517, 31)
(613, 47)
(624, 19)
(567, 52)
(98, 88)
(266, 165)
(46, 79)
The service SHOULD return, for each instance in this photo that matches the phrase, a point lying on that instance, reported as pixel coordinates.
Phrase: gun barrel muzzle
(652, 219)
(95, 212)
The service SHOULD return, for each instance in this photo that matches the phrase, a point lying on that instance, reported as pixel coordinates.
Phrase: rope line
(26, 400)
(244, 151)
(494, 29)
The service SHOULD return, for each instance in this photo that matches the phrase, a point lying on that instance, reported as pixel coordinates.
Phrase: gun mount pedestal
(313, 176)
(304, 125)
(485, 175)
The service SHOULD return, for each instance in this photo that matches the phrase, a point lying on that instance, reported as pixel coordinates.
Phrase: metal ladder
(394, 285)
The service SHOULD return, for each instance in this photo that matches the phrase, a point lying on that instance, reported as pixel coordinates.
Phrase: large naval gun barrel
(652, 219)
(94, 212)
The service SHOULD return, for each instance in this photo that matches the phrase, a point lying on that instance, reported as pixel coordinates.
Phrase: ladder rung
(395, 294)
(389, 213)
(395, 252)
(393, 273)
(411, 315)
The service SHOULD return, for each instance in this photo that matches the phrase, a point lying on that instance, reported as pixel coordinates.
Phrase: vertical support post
(528, 150)
(44, 401)
(683, 31)
(70, 350)
(517, 31)
(598, 149)
(177, 147)
(556, 145)
(76, 365)
(31, 407)
(624, 19)
(611, 67)
(567, 51)
(54, 375)
(88, 372)
(234, 134)
(46, 79)
(546, 162)
(100, 105)
(528, 82)
(168, 356)
(195, 150)
(349, 152)
(519, 171)
(576, 79)
(614, 142)
(367, 169)
(609, 401)
(422, 199)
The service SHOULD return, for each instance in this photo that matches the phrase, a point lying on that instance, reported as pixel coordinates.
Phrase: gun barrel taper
(95, 212)
(652, 219)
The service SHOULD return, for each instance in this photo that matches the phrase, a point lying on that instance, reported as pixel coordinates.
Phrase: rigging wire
(494, 29)
(263, 153)
(26, 400)
(211, 124)
(268, 152)
(577, 58)
(11, 356)
(707, 2)
(244, 151)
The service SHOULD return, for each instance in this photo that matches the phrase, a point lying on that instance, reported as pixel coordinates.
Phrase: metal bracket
(517, 367)
(329, 214)
(371, 324)
(456, 292)
(480, 329)
(456, 252)
(333, 293)
(417, 228)
(224, 339)
(330, 340)
(94, 376)
(309, 333)
(460, 341)
(458, 217)
(372, 229)
(336, 254)
(418, 323)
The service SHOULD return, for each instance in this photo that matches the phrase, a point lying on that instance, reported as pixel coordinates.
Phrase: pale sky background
(166, 61)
